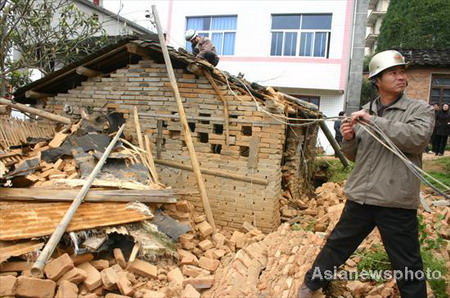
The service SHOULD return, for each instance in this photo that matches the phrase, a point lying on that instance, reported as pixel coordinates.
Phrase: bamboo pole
(184, 123)
(150, 159)
(38, 266)
(43, 114)
(225, 104)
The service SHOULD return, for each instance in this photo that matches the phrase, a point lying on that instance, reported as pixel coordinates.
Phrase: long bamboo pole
(43, 114)
(184, 123)
(38, 266)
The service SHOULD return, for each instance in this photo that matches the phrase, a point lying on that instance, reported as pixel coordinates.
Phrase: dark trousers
(441, 142)
(212, 58)
(399, 232)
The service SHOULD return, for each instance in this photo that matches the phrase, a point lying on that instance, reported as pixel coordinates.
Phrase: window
(306, 35)
(220, 29)
(440, 89)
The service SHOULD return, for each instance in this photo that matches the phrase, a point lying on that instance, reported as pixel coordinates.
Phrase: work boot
(304, 292)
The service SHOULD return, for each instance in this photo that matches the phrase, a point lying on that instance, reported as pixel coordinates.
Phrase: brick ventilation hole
(244, 151)
(218, 129)
(216, 148)
(204, 115)
(246, 130)
(191, 126)
(203, 137)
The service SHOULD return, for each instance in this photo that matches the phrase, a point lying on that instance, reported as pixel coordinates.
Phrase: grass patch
(335, 170)
(440, 169)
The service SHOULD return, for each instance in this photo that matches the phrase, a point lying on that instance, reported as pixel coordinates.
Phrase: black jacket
(443, 123)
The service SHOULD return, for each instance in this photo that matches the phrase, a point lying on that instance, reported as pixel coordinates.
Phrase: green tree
(43, 34)
(415, 24)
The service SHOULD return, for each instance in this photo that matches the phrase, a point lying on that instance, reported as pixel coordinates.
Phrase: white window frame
(298, 42)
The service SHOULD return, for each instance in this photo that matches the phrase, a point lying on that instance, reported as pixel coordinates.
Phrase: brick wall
(147, 86)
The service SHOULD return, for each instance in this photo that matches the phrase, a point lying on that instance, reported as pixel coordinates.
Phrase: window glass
(223, 23)
(217, 39)
(290, 43)
(320, 44)
(200, 23)
(306, 35)
(228, 43)
(306, 44)
(286, 22)
(316, 21)
(277, 43)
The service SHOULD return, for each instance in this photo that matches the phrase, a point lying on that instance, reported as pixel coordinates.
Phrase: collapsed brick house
(250, 156)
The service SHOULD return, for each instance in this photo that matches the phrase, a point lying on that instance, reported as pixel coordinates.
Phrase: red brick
(109, 277)
(143, 268)
(218, 239)
(201, 282)
(76, 276)
(35, 287)
(124, 285)
(100, 264)
(80, 259)
(205, 245)
(67, 289)
(218, 253)
(8, 285)
(112, 295)
(145, 293)
(187, 257)
(93, 280)
(208, 264)
(193, 271)
(238, 238)
(205, 229)
(175, 276)
(120, 259)
(58, 267)
(190, 292)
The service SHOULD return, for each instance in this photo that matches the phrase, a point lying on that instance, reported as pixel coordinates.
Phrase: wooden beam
(253, 152)
(43, 114)
(150, 159)
(94, 195)
(184, 123)
(159, 136)
(217, 173)
(87, 72)
(225, 104)
(137, 50)
(37, 95)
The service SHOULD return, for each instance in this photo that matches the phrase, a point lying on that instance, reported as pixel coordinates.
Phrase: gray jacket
(380, 178)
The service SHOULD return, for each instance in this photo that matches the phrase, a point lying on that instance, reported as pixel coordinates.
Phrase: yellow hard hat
(385, 60)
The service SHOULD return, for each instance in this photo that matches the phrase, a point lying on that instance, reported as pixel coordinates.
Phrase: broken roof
(130, 50)
(427, 57)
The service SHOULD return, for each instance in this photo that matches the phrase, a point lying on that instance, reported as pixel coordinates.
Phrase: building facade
(376, 13)
(299, 47)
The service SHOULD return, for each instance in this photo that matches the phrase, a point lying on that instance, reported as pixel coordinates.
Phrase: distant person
(442, 129)
(434, 145)
(202, 47)
(337, 130)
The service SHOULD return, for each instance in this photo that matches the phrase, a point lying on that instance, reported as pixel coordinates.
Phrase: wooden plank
(104, 195)
(184, 123)
(104, 183)
(225, 104)
(26, 220)
(252, 162)
(15, 266)
(150, 159)
(43, 114)
(217, 173)
(14, 249)
(159, 137)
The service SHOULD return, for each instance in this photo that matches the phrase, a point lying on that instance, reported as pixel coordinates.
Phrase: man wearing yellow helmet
(381, 190)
